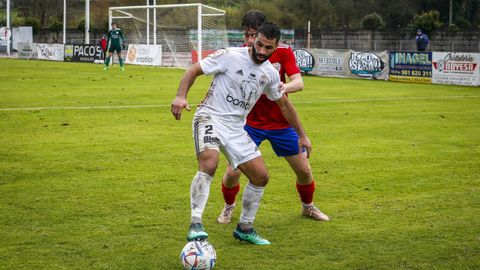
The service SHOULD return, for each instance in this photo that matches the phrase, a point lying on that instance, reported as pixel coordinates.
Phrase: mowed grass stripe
(168, 105)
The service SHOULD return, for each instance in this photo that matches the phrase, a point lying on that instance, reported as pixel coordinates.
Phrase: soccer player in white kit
(241, 75)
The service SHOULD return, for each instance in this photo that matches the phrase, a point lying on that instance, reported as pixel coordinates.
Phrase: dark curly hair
(253, 19)
(270, 31)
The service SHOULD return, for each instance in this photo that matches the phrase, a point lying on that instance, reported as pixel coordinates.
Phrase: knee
(260, 180)
(208, 165)
(231, 177)
(305, 176)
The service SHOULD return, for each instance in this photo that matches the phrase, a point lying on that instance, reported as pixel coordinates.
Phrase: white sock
(199, 190)
(250, 202)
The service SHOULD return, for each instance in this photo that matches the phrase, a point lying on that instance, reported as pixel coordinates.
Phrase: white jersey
(237, 84)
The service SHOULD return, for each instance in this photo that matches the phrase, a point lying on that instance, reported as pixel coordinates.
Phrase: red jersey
(266, 114)
(104, 44)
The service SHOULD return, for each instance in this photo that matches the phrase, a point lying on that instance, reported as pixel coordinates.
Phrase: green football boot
(250, 236)
(196, 232)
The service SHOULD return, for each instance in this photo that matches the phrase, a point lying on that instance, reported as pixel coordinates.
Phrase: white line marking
(168, 105)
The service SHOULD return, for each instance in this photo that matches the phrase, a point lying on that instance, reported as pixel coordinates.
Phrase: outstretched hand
(178, 104)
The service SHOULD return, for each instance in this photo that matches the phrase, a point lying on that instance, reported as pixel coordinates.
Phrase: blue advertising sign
(411, 66)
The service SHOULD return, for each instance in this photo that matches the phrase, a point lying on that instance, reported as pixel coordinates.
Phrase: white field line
(353, 100)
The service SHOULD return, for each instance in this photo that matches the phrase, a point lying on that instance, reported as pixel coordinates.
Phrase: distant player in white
(241, 75)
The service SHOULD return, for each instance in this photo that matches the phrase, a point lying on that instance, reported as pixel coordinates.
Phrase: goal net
(187, 32)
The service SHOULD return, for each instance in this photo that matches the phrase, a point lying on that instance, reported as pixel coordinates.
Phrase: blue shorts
(284, 141)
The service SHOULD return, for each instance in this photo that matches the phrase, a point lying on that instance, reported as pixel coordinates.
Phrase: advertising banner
(4, 35)
(82, 52)
(367, 65)
(53, 52)
(305, 60)
(456, 68)
(411, 66)
(139, 54)
(321, 62)
(22, 34)
(343, 63)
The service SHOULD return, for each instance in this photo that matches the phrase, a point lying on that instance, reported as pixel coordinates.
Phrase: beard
(255, 56)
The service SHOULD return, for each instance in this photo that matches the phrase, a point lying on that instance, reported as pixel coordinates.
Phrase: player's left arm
(122, 37)
(290, 114)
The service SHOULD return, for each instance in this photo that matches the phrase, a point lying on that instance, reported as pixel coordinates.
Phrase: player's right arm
(109, 38)
(293, 72)
(180, 101)
(295, 84)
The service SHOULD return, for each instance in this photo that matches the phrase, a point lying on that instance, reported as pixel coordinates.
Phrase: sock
(230, 194)
(108, 61)
(250, 202)
(120, 60)
(199, 191)
(306, 193)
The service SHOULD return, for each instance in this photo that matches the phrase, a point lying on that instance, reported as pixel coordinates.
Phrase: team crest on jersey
(263, 80)
(277, 66)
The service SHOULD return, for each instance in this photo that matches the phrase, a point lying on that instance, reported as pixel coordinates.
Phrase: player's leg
(207, 148)
(256, 172)
(120, 59)
(231, 181)
(230, 189)
(285, 144)
(243, 153)
(305, 185)
(107, 62)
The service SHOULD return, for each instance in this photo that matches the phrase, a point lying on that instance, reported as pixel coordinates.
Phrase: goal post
(187, 32)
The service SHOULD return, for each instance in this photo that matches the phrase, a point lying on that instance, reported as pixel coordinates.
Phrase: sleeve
(215, 62)
(289, 63)
(122, 36)
(271, 90)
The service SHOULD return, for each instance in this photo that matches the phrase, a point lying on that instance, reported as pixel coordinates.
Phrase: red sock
(306, 192)
(229, 194)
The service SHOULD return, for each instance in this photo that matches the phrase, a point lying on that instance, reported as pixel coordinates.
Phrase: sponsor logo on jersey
(239, 72)
(211, 139)
(237, 102)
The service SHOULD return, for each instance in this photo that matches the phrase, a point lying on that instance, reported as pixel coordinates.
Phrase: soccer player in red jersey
(266, 122)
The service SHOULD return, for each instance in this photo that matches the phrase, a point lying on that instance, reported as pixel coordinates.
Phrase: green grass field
(95, 174)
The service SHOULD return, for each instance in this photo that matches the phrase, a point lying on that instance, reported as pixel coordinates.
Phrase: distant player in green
(114, 44)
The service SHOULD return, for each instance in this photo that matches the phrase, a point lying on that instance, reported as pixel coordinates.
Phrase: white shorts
(236, 145)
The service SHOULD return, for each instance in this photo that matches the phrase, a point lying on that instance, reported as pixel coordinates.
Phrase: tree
(373, 22)
(55, 26)
(427, 21)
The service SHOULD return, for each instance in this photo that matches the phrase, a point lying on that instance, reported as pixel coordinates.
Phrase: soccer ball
(198, 255)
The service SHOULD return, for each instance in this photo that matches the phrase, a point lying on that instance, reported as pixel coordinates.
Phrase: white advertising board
(141, 54)
(53, 52)
(456, 68)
